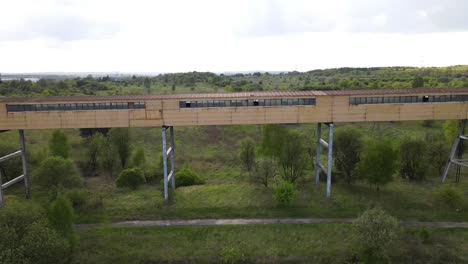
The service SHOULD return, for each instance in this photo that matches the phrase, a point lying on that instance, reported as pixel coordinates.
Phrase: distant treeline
(328, 79)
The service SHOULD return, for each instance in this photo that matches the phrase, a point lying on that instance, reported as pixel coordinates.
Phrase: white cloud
(213, 35)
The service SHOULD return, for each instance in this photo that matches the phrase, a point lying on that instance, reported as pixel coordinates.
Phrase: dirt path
(262, 221)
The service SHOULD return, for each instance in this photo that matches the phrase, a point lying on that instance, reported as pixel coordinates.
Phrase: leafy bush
(285, 193)
(448, 196)
(265, 170)
(57, 171)
(412, 165)
(187, 177)
(131, 178)
(378, 162)
(78, 198)
(152, 173)
(347, 147)
(231, 255)
(26, 238)
(247, 153)
(61, 217)
(59, 145)
(424, 234)
(376, 232)
(43, 245)
(139, 159)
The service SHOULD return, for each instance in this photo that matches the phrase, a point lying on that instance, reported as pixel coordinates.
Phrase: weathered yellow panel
(328, 108)
(170, 104)
(145, 123)
(153, 114)
(450, 111)
(153, 105)
(138, 114)
(382, 112)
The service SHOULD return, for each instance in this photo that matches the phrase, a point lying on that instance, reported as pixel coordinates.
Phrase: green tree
(139, 159)
(94, 145)
(108, 156)
(120, 138)
(59, 145)
(412, 160)
(147, 84)
(61, 217)
(378, 162)
(293, 157)
(377, 232)
(265, 170)
(418, 82)
(451, 128)
(25, 237)
(247, 153)
(272, 140)
(348, 145)
(437, 152)
(56, 172)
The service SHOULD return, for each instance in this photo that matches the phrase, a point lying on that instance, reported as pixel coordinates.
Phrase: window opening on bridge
(74, 106)
(247, 102)
(408, 99)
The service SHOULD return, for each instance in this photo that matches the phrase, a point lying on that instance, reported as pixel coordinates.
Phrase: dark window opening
(188, 104)
(255, 102)
(425, 99)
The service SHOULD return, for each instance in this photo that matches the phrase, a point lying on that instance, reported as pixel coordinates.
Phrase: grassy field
(327, 243)
(228, 193)
(212, 153)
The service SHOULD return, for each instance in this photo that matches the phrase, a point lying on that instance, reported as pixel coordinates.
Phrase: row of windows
(408, 99)
(74, 106)
(246, 102)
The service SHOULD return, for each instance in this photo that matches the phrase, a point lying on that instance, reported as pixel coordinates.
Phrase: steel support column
(318, 165)
(458, 143)
(25, 164)
(1, 190)
(168, 152)
(329, 158)
(317, 156)
(171, 130)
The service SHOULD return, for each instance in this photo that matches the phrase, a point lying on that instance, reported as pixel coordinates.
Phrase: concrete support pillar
(25, 164)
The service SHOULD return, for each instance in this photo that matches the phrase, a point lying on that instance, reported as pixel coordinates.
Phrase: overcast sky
(237, 35)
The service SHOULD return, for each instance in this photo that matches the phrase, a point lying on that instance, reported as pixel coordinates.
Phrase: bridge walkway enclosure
(275, 107)
(233, 108)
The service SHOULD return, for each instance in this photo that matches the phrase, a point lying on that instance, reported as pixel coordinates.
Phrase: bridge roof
(201, 96)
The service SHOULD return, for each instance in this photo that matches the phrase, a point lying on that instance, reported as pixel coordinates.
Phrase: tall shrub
(56, 171)
(58, 145)
(61, 217)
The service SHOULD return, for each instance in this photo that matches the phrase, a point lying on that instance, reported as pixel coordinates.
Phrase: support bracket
(457, 150)
(23, 176)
